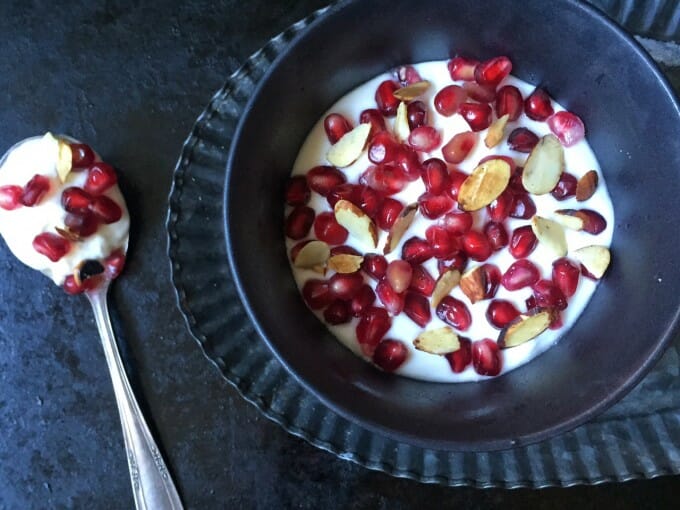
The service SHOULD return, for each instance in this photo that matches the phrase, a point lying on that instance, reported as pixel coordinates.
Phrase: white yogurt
(579, 159)
(38, 155)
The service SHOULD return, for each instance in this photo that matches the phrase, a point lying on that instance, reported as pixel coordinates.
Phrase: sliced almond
(565, 218)
(345, 263)
(320, 269)
(64, 160)
(496, 131)
(413, 91)
(524, 328)
(586, 185)
(401, 127)
(356, 221)
(348, 149)
(551, 234)
(314, 253)
(473, 284)
(67, 234)
(437, 341)
(484, 184)
(544, 166)
(400, 227)
(594, 258)
(446, 282)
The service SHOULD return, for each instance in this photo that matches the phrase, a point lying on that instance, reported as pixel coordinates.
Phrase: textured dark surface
(131, 79)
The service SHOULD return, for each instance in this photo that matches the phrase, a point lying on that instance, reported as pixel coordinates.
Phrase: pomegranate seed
(435, 175)
(522, 242)
(481, 93)
(416, 250)
(71, 287)
(566, 187)
(500, 313)
(344, 250)
(345, 285)
(364, 298)
(323, 179)
(369, 200)
(316, 294)
(457, 222)
(10, 197)
(523, 206)
(383, 148)
(417, 308)
(83, 225)
(34, 190)
(384, 98)
(344, 191)
(522, 273)
(557, 321)
(492, 278)
(336, 126)
(522, 139)
(455, 313)
(100, 177)
(386, 179)
(493, 71)
(297, 191)
(82, 156)
(106, 209)
(390, 354)
(113, 264)
(538, 106)
(456, 178)
(372, 327)
(548, 295)
(515, 183)
(407, 159)
(422, 281)
(299, 222)
(399, 274)
(459, 261)
(444, 244)
(531, 302)
(448, 99)
(476, 245)
(462, 69)
(567, 127)
(593, 222)
(374, 265)
(407, 75)
(477, 115)
(388, 213)
(459, 147)
(328, 230)
(375, 119)
(425, 139)
(500, 208)
(390, 298)
(486, 357)
(460, 359)
(565, 275)
(509, 101)
(54, 247)
(433, 206)
(496, 234)
(416, 112)
(337, 312)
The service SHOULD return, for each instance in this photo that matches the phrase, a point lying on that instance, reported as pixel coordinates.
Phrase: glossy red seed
(448, 99)
(392, 300)
(100, 177)
(459, 262)
(297, 191)
(35, 190)
(417, 308)
(459, 147)
(388, 213)
(444, 244)
(492, 280)
(435, 176)
(457, 222)
(481, 93)
(105, 209)
(548, 295)
(422, 281)
(523, 206)
(345, 285)
(460, 359)
(424, 139)
(372, 327)
(462, 69)
(500, 313)
(455, 313)
(416, 113)
(113, 264)
(373, 117)
(522, 273)
(399, 274)
(567, 127)
(407, 75)
(336, 126)
(374, 265)
(328, 230)
(383, 148)
(515, 183)
(433, 206)
(486, 357)
(476, 245)
(386, 179)
(323, 179)
(345, 191)
(10, 197)
(500, 208)
(83, 225)
(384, 98)
(530, 302)
(565, 274)
(593, 222)
(390, 354)
(456, 178)
(496, 234)
(71, 287)
(566, 187)
(522, 139)
(522, 242)
(52, 246)
(407, 159)
(369, 200)
(316, 293)
(557, 321)
(344, 250)
(493, 71)
(362, 300)
(477, 115)
(538, 105)
(509, 102)
(82, 156)
(416, 250)
(337, 312)
(299, 222)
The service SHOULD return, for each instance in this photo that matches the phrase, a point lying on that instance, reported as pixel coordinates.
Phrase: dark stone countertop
(130, 78)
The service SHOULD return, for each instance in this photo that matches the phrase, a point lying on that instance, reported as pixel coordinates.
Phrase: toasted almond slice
(586, 185)
(594, 258)
(401, 127)
(473, 284)
(551, 234)
(437, 341)
(544, 166)
(568, 220)
(356, 221)
(446, 282)
(496, 131)
(320, 269)
(314, 253)
(524, 328)
(400, 227)
(348, 149)
(345, 263)
(413, 91)
(64, 160)
(484, 184)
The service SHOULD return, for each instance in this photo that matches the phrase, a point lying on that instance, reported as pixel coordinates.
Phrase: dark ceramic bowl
(587, 64)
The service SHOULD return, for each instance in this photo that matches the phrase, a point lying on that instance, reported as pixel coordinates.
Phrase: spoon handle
(152, 485)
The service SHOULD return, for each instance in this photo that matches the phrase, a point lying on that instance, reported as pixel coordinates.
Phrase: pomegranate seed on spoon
(35, 190)
(105, 209)
(10, 197)
(76, 200)
(53, 246)
(100, 177)
(82, 156)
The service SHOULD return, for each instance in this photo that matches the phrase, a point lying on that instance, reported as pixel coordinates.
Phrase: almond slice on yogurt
(412, 91)
(348, 149)
(314, 253)
(344, 263)
(401, 127)
(550, 234)
(544, 166)
(524, 328)
(437, 341)
(446, 282)
(484, 184)
(400, 227)
(595, 259)
(356, 221)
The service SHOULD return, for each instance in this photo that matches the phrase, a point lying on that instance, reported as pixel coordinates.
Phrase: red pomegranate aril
(530, 302)
(344, 250)
(399, 274)
(71, 287)
(299, 222)
(567, 127)
(113, 264)
(492, 280)
(416, 113)
(83, 225)
(462, 69)
(455, 313)
(82, 156)
(477, 115)
(537, 105)
(460, 359)
(336, 126)
(54, 247)
(565, 274)
(10, 197)
(515, 183)
(593, 222)
(337, 312)
(388, 213)
(509, 102)
(328, 230)
(476, 245)
(522, 242)
(459, 147)
(384, 98)
(375, 119)
(486, 357)
(521, 273)
(435, 176)
(383, 148)
(500, 313)
(416, 250)
(456, 179)
(481, 93)
(448, 99)
(364, 298)
(433, 206)
(444, 244)
(323, 179)
(457, 222)
(100, 177)
(368, 200)
(522, 139)
(407, 159)
(105, 209)
(422, 281)
(345, 191)
(459, 261)
(417, 308)
(372, 327)
(374, 265)
(297, 191)
(392, 300)
(496, 234)
(548, 295)
(317, 294)
(407, 75)
(34, 190)
(566, 187)
(390, 354)
(523, 206)
(386, 179)
(345, 285)
(500, 208)
(557, 321)
(493, 71)
(425, 139)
